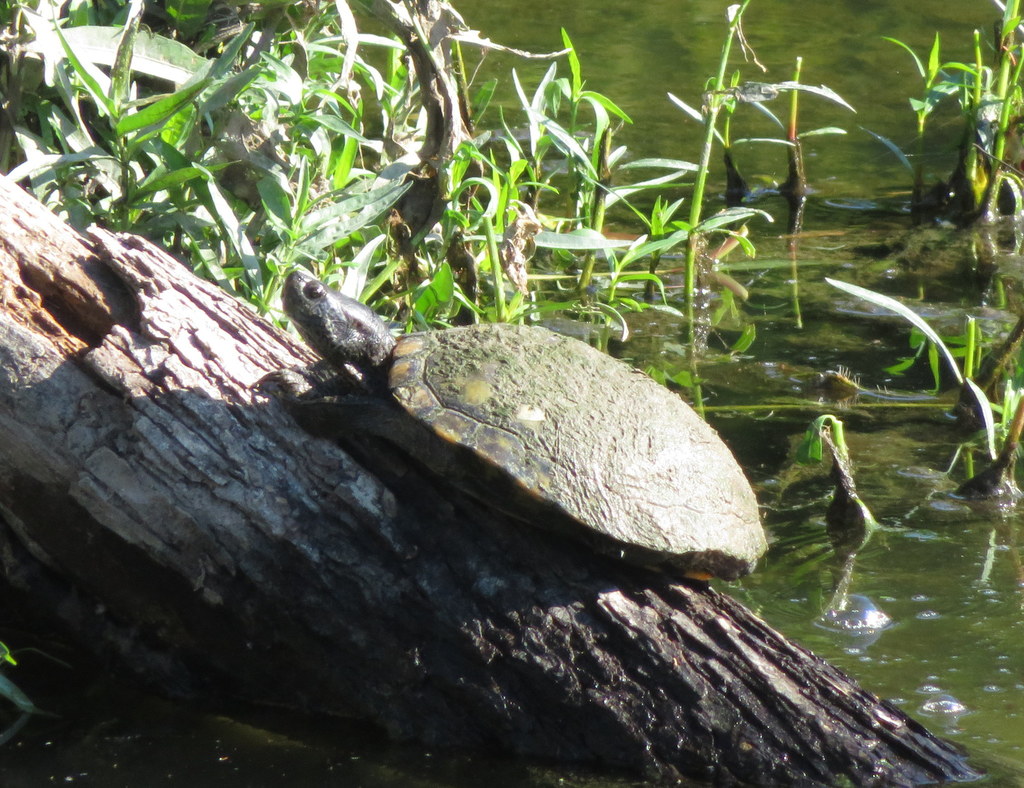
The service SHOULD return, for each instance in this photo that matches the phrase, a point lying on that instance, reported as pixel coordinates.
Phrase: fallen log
(189, 530)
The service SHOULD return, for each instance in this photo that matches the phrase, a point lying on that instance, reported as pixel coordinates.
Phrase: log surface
(191, 531)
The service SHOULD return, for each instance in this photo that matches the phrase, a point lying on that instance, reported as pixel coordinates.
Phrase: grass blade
(885, 302)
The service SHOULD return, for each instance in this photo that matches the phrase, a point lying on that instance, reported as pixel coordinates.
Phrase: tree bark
(190, 530)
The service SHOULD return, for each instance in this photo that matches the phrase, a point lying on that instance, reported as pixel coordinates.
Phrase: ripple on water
(920, 472)
(948, 505)
(944, 705)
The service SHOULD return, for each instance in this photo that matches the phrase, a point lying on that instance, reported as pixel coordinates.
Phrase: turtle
(543, 426)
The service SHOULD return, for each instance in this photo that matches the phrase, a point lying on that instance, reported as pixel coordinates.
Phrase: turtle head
(340, 329)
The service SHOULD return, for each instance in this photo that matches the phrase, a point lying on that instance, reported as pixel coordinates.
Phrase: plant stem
(499, 280)
(597, 206)
(713, 98)
(1004, 91)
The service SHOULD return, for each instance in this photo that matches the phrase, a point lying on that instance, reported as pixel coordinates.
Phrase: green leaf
(577, 240)
(225, 62)
(570, 147)
(900, 367)
(438, 293)
(158, 113)
(658, 246)
(746, 339)
(167, 180)
(359, 269)
(153, 55)
(276, 202)
(818, 90)
(482, 98)
(761, 141)
(188, 15)
(913, 54)
(35, 165)
(933, 60)
(233, 229)
(326, 226)
(764, 110)
(121, 73)
(673, 164)
(885, 302)
(892, 146)
(618, 193)
(821, 132)
(228, 89)
(574, 64)
(93, 79)
(598, 99)
(686, 108)
(338, 126)
(730, 216)
(986, 416)
(811, 448)
(933, 365)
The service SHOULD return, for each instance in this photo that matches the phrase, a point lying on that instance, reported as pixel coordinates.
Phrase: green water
(948, 574)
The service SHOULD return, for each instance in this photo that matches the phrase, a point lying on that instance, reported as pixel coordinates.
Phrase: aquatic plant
(987, 171)
(723, 93)
(10, 691)
(1001, 422)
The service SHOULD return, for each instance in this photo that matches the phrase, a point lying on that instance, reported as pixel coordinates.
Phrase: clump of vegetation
(988, 173)
(255, 140)
(990, 399)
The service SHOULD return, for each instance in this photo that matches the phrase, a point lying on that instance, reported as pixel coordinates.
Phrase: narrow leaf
(577, 240)
(885, 302)
(157, 113)
(933, 60)
(986, 416)
(892, 146)
(675, 164)
(913, 54)
(121, 73)
(686, 108)
(818, 90)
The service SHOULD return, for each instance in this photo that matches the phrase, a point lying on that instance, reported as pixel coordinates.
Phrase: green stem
(714, 98)
(1007, 78)
(597, 208)
(794, 102)
(499, 280)
(971, 157)
(970, 347)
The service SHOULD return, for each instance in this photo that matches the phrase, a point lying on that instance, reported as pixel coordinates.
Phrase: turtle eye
(313, 291)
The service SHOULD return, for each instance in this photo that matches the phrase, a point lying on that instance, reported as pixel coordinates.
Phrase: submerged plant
(1000, 422)
(10, 691)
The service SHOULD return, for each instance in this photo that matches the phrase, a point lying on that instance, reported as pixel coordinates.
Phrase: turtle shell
(588, 444)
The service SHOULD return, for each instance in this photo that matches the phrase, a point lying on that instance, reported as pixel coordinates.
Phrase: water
(933, 616)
